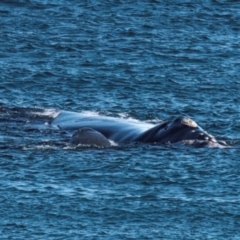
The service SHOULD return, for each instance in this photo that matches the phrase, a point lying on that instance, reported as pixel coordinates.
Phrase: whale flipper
(90, 137)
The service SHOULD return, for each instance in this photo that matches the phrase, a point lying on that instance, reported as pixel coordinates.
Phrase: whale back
(116, 129)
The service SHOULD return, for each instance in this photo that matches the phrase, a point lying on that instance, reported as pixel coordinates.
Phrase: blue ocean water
(144, 60)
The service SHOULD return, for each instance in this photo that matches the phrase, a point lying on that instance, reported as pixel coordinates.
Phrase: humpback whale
(100, 130)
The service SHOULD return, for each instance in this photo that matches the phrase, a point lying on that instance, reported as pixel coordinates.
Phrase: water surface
(148, 61)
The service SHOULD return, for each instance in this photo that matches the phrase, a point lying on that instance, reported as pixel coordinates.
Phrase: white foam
(50, 112)
(39, 147)
(112, 143)
(90, 113)
(121, 117)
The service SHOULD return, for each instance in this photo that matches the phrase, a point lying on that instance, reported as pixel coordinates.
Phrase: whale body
(100, 128)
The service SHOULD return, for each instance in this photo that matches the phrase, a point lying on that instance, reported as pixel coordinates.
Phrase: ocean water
(146, 61)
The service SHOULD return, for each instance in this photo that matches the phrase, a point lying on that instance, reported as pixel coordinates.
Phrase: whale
(97, 130)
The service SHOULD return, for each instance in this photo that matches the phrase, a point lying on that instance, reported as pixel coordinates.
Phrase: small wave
(90, 113)
(52, 113)
(39, 147)
(120, 117)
